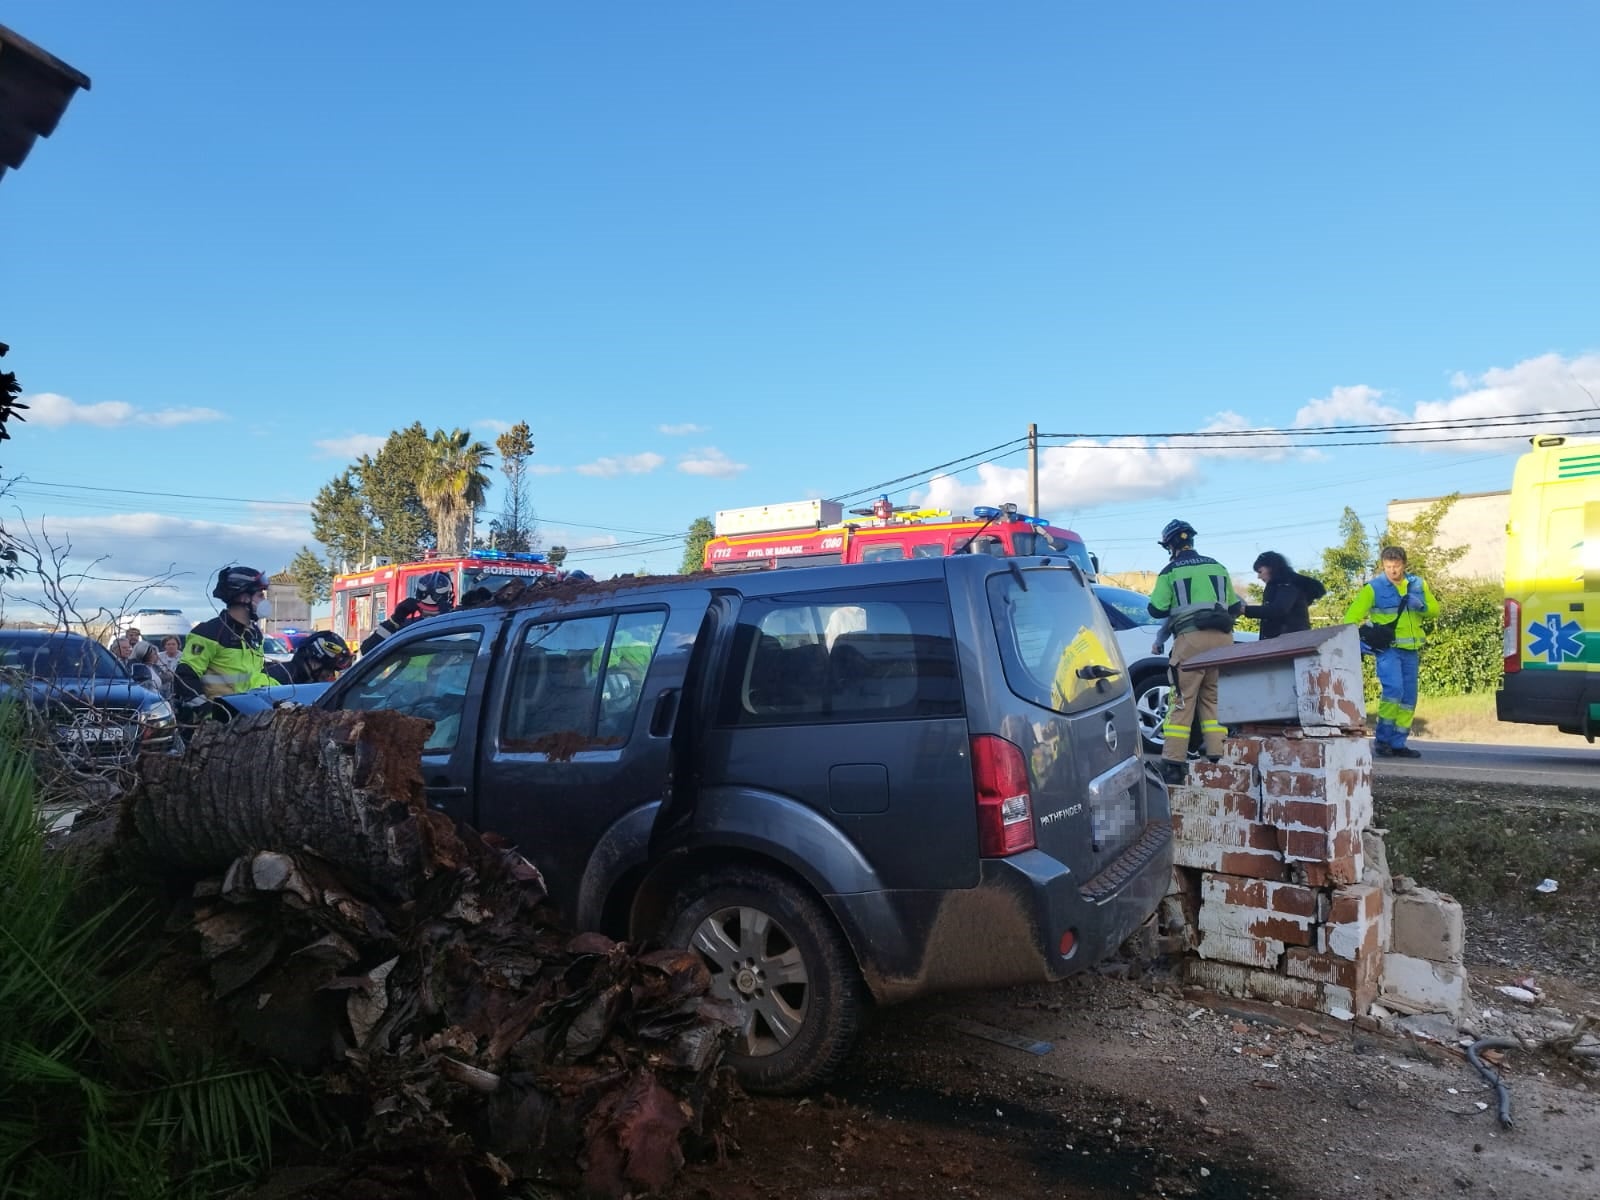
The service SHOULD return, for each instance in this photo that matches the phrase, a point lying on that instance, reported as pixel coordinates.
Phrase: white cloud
(544, 469)
(1358, 405)
(1082, 474)
(710, 461)
(492, 425)
(350, 447)
(52, 410)
(683, 430)
(1534, 387)
(113, 550)
(626, 464)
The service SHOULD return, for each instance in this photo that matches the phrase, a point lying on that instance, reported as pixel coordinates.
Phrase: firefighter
(1195, 593)
(318, 659)
(224, 655)
(1390, 608)
(435, 593)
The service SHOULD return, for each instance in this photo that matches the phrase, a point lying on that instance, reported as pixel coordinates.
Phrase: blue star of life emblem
(1555, 639)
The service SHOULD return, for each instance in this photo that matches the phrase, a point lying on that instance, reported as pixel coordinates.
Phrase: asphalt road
(1577, 766)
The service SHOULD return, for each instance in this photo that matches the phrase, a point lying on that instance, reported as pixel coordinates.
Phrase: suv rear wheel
(774, 951)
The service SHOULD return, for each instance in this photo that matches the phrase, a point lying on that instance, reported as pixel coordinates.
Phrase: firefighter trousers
(1193, 699)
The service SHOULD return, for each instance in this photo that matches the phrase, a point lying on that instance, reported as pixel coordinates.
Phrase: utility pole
(1033, 470)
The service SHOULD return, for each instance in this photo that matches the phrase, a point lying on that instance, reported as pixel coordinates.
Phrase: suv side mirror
(143, 673)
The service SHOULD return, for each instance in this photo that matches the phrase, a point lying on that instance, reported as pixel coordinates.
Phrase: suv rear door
(1060, 693)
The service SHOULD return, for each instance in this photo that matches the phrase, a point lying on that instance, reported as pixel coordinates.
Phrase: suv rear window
(848, 655)
(1050, 626)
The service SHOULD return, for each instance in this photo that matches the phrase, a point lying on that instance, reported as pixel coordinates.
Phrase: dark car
(867, 781)
(99, 713)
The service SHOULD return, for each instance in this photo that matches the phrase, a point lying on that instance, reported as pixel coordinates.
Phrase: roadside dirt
(1150, 1091)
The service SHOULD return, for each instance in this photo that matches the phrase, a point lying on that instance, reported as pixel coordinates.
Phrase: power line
(1418, 426)
(880, 488)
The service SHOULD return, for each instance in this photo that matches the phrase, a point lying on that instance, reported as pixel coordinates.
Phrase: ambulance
(1551, 638)
(811, 533)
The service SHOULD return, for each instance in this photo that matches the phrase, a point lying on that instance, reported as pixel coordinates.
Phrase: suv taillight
(1005, 803)
(1511, 636)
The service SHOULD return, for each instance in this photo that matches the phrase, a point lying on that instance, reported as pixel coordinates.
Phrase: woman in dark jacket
(1286, 603)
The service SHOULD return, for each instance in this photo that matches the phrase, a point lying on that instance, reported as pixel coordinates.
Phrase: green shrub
(1463, 650)
(82, 1112)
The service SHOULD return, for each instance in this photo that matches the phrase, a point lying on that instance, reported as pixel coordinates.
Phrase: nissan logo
(1111, 737)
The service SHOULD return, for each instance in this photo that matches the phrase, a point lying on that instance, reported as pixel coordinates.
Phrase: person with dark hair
(1287, 598)
(1390, 608)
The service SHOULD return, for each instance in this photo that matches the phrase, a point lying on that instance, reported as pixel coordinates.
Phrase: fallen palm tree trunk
(346, 928)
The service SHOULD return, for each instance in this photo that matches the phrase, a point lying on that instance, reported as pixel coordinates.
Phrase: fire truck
(812, 533)
(363, 598)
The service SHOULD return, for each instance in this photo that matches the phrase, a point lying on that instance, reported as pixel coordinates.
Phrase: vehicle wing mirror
(142, 673)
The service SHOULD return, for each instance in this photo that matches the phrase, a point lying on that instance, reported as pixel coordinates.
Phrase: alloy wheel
(756, 964)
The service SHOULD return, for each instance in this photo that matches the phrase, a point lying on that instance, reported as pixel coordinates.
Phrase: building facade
(1477, 520)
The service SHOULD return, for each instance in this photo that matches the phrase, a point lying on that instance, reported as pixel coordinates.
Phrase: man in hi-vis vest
(1390, 609)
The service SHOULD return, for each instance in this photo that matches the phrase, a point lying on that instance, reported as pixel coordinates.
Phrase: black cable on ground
(1502, 1092)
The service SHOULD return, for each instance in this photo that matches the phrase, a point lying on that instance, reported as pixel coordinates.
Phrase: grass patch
(1491, 843)
(1471, 719)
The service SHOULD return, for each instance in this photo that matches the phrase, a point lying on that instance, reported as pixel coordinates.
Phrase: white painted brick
(1415, 985)
(1247, 951)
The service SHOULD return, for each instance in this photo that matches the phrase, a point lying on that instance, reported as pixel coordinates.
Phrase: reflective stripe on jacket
(1383, 603)
(1195, 593)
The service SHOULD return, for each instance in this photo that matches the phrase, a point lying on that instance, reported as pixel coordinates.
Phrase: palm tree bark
(348, 784)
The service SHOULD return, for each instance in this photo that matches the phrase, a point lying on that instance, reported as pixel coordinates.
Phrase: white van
(154, 624)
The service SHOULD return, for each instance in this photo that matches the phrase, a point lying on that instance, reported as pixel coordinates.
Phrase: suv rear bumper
(1008, 929)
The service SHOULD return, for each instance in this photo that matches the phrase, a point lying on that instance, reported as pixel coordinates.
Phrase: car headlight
(157, 714)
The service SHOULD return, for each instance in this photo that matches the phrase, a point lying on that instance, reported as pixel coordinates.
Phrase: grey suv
(869, 781)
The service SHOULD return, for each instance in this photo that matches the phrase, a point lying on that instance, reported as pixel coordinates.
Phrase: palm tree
(453, 485)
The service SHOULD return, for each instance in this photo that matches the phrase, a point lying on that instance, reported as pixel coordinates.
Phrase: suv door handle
(665, 716)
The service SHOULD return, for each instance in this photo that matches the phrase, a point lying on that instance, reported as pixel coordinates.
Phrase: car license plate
(93, 733)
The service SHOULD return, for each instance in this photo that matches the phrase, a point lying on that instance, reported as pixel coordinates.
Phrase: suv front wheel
(774, 951)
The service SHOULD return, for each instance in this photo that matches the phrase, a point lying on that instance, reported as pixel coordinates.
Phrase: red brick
(1255, 863)
(1242, 751)
(1361, 902)
(1246, 893)
(1359, 976)
(1295, 901)
(1310, 814)
(1309, 783)
(1223, 776)
(1334, 871)
(1307, 845)
(1283, 929)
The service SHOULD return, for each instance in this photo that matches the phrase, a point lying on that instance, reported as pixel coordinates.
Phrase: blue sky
(730, 254)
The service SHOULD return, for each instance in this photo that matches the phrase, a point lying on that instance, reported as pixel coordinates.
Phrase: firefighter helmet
(436, 590)
(235, 584)
(325, 651)
(1176, 533)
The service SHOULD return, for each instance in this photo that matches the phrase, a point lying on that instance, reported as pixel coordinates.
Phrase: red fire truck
(814, 532)
(363, 598)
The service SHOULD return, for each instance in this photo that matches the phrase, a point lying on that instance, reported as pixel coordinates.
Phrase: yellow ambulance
(1551, 637)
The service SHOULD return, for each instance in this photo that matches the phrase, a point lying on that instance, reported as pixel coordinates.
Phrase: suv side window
(849, 655)
(426, 679)
(583, 676)
(888, 553)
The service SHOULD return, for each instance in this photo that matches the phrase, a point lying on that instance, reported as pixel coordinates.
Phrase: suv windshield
(1051, 628)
